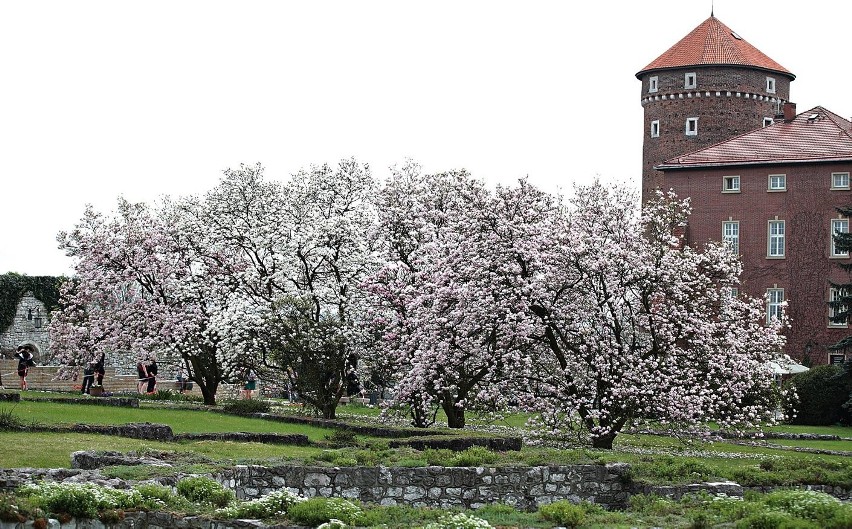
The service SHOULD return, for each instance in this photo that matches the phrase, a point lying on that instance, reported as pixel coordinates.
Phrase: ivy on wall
(13, 287)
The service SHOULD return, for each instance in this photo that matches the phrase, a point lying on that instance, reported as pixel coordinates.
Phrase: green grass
(181, 421)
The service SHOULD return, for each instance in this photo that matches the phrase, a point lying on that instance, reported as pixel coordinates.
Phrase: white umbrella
(786, 366)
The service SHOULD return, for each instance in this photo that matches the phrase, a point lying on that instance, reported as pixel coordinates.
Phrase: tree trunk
(604, 441)
(455, 415)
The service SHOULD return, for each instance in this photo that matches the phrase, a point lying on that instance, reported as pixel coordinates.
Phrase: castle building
(710, 86)
(759, 176)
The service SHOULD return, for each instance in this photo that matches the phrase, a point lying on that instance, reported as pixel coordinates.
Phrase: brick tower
(709, 87)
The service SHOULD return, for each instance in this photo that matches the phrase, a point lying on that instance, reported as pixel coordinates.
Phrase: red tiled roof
(817, 135)
(713, 43)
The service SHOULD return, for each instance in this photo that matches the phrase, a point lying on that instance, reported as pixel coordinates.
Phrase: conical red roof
(713, 43)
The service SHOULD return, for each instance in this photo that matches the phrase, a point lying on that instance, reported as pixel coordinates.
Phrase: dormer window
(768, 121)
(689, 80)
(770, 85)
(653, 84)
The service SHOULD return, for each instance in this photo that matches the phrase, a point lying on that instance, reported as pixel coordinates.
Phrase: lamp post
(35, 318)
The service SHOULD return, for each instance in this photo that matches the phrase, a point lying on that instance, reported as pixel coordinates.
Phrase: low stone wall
(440, 487)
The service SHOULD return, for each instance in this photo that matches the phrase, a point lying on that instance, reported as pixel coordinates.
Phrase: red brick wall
(721, 115)
(807, 208)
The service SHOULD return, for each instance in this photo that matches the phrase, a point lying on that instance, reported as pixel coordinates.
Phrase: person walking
(88, 377)
(250, 383)
(25, 362)
(100, 369)
(152, 377)
(142, 377)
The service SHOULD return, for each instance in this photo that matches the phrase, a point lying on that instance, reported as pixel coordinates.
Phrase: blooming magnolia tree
(639, 327)
(139, 286)
(454, 328)
(297, 254)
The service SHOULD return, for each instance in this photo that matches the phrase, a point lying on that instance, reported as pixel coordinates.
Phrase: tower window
(770, 85)
(653, 84)
(689, 80)
(655, 128)
(731, 184)
(692, 126)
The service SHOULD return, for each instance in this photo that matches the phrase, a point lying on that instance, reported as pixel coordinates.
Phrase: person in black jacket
(88, 377)
(152, 377)
(25, 362)
(100, 370)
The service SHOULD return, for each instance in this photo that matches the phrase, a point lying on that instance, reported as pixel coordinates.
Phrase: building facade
(759, 176)
(28, 328)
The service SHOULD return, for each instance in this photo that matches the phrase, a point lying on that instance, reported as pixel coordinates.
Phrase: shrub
(459, 521)
(202, 489)
(10, 421)
(808, 504)
(246, 406)
(274, 504)
(774, 520)
(563, 513)
(79, 500)
(340, 438)
(316, 511)
(156, 497)
(9, 509)
(474, 456)
(821, 392)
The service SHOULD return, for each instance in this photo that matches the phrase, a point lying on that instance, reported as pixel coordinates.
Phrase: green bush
(475, 456)
(202, 489)
(274, 504)
(9, 421)
(79, 500)
(821, 393)
(316, 511)
(10, 511)
(812, 505)
(563, 513)
(155, 497)
(774, 520)
(341, 438)
(246, 406)
(459, 521)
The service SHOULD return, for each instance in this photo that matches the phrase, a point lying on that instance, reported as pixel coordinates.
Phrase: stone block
(314, 479)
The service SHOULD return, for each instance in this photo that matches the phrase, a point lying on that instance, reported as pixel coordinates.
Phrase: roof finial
(711, 8)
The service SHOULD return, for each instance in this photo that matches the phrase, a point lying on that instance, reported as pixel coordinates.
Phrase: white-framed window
(730, 184)
(776, 239)
(692, 126)
(777, 182)
(653, 84)
(770, 85)
(838, 226)
(690, 80)
(834, 295)
(768, 121)
(836, 359)
(774, 304)
(731, 235)
(655, 128)
(839, 180)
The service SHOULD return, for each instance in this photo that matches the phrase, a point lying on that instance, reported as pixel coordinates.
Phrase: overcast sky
(144, 99)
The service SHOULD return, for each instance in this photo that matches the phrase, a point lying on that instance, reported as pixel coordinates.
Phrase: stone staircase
(42, 378)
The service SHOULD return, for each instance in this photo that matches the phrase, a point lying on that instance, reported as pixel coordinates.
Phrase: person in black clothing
(152, 377)
(100, 370)
(88, 377)
(25, 361)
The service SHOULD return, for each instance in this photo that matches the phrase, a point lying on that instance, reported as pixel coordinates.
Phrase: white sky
(143, 99)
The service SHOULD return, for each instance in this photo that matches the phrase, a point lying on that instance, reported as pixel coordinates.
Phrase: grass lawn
(181, 421)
